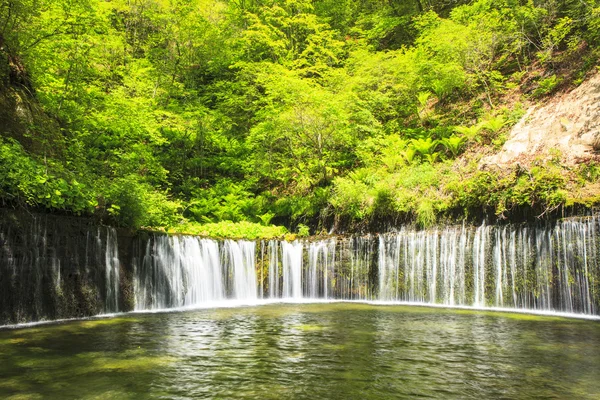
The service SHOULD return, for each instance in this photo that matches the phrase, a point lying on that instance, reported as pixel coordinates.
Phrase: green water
(333, 351)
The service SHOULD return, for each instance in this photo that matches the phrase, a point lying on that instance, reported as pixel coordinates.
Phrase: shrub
(132, 203)
(28, 181)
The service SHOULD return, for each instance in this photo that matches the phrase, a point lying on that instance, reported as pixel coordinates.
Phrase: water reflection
(329, 351)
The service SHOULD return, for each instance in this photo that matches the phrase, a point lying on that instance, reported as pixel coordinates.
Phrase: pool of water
(305, 351)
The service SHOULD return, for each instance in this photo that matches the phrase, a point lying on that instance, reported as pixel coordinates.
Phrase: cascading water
(320, 272)
(274, 269)
(46, 273)
(239, 256)
(540, 268)
(550, 268)
(56, 267)
(325, 269)
(353, 269)
(292, 269)
(112, 271)
(186, 271)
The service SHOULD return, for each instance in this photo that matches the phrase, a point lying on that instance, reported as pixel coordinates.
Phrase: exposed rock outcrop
(21, 115)
(567, 126)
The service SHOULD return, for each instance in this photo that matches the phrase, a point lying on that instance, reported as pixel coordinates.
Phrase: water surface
(305, 351)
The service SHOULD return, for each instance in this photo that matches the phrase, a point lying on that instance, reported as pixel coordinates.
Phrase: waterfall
(186, 271)
(274, 269)
(320, 273)
(200, 261)
(112, 269)
(56, 267)
(353, 269)
(552, 267)
(52, 269)
(240, 256)
(292, 256)
(479, 253)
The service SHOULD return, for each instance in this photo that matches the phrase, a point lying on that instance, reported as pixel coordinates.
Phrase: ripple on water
(305, 351)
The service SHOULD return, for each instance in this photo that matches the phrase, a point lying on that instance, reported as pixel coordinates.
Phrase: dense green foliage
(179, 112)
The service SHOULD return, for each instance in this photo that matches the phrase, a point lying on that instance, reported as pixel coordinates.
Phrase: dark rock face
(21, 115)
(54, 267)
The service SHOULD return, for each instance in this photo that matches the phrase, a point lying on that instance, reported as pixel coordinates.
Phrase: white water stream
(544, 268)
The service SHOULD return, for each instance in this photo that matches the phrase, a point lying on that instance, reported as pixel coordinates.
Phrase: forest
(254, 118)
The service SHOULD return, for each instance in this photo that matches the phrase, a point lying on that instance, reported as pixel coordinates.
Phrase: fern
(494, 124)
(424, 146)
(469, 132)
(453, 144)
